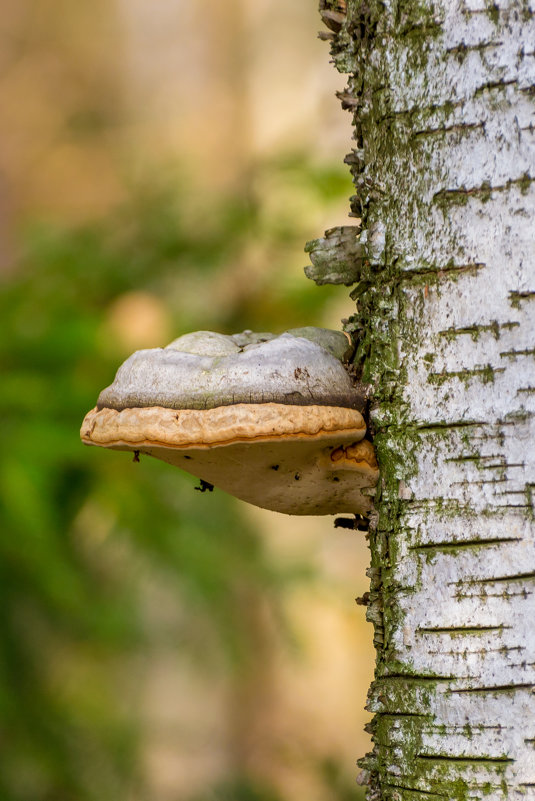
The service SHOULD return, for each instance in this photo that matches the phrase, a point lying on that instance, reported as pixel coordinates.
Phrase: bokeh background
(162, 164)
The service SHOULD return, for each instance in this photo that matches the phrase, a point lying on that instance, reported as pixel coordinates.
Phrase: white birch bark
(444, 97)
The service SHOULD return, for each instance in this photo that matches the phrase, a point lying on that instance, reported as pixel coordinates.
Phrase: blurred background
(162, 164)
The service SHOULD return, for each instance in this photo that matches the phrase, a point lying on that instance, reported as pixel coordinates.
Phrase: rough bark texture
(444, 162)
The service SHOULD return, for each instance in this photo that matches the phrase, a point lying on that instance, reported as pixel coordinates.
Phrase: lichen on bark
(442, 97)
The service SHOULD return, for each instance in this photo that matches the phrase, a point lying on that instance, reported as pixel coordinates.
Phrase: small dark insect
(205, 486)
(362, 523)
(344, 522)
(136, 456)
(274, 466)
(358, 523)
(297, 477)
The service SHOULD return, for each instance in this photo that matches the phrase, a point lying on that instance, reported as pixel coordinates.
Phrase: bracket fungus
(273, 420)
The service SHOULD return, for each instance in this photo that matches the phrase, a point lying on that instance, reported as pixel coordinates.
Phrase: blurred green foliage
(341, 786)
(333, 776)
(82, 529)
(242, 789)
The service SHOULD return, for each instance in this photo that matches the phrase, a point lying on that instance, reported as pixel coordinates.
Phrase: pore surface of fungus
(273, 420)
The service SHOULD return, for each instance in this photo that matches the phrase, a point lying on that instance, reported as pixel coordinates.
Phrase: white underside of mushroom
(309, 460)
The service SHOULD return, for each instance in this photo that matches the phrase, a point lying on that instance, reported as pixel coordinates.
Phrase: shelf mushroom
(273, 420)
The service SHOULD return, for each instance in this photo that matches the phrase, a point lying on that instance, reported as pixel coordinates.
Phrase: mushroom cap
(271, 420)
(205, 370)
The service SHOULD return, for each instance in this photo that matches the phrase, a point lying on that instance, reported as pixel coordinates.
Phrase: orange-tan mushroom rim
(308, 457)
(224, 425)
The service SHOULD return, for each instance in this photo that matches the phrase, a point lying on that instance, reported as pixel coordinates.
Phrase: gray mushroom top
(204, 370)
(273, 420)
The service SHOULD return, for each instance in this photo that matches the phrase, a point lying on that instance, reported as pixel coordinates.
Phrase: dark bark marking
(485, 190)
(459, 128)
(453, 546)
(417, 790)
(466, 758)
(461, 629)
(514, 577)
(514, 353)
(499, 688)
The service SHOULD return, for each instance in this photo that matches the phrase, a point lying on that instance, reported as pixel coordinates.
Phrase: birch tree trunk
(444, 265)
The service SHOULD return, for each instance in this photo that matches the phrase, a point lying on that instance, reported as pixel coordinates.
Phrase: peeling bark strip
(336, 257)
(444, 162)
